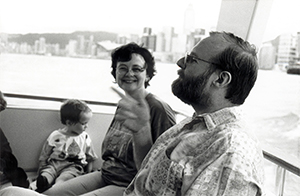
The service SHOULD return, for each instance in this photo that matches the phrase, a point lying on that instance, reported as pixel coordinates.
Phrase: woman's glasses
(124, 70)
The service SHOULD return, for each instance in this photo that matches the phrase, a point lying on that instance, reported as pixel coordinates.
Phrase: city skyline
(167, 45)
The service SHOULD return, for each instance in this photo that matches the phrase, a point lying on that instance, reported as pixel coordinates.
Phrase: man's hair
(72, 109)
(240, 60)
(124, 54)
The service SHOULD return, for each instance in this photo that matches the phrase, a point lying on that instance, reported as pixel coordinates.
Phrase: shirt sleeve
(229, 183)
(45, 154)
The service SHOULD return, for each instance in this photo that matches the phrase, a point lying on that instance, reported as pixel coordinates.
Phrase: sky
(128, 16)
(69, 15)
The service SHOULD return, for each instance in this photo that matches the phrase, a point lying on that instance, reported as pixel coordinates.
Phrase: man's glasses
(124, 70)
(190, 59)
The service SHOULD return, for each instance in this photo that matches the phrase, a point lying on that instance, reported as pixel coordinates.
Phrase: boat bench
(27, 129)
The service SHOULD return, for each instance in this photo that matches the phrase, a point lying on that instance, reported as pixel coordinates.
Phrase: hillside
(61, 38)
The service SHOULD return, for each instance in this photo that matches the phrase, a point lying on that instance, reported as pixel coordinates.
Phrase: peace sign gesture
(134, 113)
(135, 116)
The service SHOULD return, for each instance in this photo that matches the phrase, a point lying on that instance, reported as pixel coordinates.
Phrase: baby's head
(75, 114)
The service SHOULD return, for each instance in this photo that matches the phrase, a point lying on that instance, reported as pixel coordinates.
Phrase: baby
(68, 152)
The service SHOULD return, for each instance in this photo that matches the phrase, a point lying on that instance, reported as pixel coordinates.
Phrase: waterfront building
(80, 44)
(122, 39)
(279, 53)
(298, 46)
(169, 34)
(89, 49)
(189, 20)
(194, 37)
(36, 46)
(160, 42)
(266, 56)
(178, 46)
(42, 45)
(72, 48)
(104, 49)
(148, 40)
(286, 54)
(134, 38)
(25, 48)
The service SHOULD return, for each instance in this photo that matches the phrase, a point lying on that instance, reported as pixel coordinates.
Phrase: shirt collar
(214, 119)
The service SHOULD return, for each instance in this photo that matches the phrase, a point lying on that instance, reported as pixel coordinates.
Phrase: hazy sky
(69, 15)
(40, 16)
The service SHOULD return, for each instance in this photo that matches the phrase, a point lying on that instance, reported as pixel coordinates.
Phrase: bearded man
(212, 152)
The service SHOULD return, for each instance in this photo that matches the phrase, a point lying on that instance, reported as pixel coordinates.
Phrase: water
(272, 108)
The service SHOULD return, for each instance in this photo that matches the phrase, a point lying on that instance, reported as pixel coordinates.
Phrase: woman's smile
(129, 81)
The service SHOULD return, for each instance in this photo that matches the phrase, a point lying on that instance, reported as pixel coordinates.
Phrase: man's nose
(180, 63)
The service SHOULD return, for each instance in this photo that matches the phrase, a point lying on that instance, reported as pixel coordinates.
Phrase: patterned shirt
(117, 148)
(215, 156)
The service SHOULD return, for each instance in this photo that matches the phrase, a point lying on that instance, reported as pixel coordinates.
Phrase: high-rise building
(122, 39)
(72, 48)
(286, 54)
(298, 46)
(282, 51)
(36, 47)
(267, 56)
(42, 46)
(169, 34)
(147, 31)
(189, 20)
(160, 42)
(80, 44)
(90, 43)
(152, 42)
(194, 37)
(148, 40)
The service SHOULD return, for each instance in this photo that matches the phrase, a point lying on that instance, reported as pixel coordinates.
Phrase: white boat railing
(283, 161)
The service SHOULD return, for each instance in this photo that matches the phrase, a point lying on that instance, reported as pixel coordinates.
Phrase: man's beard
(191, 90)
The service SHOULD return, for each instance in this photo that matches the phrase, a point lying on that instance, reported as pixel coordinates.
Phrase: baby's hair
(71, 110)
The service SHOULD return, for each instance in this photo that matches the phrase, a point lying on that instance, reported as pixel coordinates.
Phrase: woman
(133, 68)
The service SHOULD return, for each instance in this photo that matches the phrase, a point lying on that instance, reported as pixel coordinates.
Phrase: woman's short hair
(124, 54)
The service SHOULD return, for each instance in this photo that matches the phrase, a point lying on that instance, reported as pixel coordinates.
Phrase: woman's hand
(134, 113)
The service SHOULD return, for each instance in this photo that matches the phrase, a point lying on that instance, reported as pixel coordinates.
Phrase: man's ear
(223, 79)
